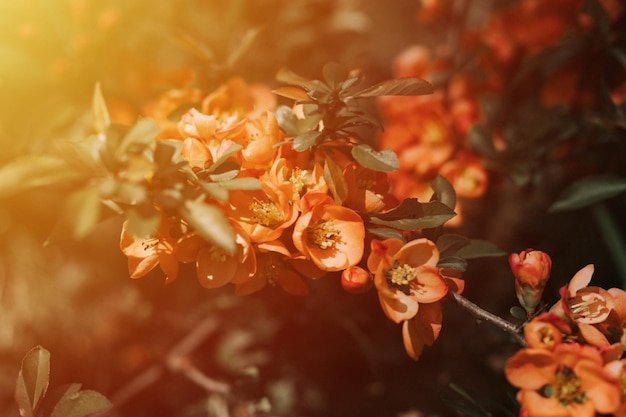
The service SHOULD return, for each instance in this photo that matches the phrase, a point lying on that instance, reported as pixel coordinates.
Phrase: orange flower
(406, 276)
(423, 329)
(532, 270)
(263, 214)
(277, 266)
(356, 280)
(467, 175)
(567, 381)
(214, 267)
(285, 170)
(368, 190)
(145, 254)
(617, 369)
(546, 331)
(599, 314)
(331, 236)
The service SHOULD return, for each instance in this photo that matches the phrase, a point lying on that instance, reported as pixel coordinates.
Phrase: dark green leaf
(518, 312)
(333, 174)
(34, 171)
(305, 140)
(224, 172)
(444, 191)
(477, 248)
(81, 404)
(450, 243)
(210, 222)
(142, 133)
(399, 87)
(385, 160)
(588, 191)
(454, 262)
(481, 140)
(54, 395)
(386, 233)
(32, 381)
(413, 215)
(82, 210)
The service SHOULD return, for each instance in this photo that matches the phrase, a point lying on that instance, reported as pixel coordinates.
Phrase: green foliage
(588, 191)
(337, 101)
(412, 215)
(34, 400)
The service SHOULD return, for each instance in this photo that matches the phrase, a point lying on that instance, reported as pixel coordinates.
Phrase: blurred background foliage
(332, 353)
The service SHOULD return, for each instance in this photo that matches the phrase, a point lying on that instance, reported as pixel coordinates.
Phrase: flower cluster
(572, 365)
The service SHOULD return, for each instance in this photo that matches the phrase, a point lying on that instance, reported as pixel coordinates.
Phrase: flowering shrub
(271, 188)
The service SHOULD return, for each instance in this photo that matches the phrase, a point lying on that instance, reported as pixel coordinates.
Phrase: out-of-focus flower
(330, 235)
(569, 380)
(617, 369)
(277, 266)
(406, 275)
(467, 175)
(214, 267)
(356, 280)
(546, 331)
(531, 269)
(144, 254)
(368, 190)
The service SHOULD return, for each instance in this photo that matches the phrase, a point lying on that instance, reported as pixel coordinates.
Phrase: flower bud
(531, 269)
(356, 280)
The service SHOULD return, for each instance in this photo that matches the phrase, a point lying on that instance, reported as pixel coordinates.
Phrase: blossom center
(265, 213)
(299, 179)
(217, 254)
(566, 388)
(400, 276)
(322, 234)
(588, 306)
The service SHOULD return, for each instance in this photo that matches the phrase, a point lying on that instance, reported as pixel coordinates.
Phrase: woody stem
(478, 312)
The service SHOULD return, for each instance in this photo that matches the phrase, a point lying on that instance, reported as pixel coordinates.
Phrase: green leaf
(444, 191)
(477, 248)
(54, 395)
(215, 190)
(101, 118)
(480, 140)
(242, 183)
(413, 215)
(210, 222)
(518, 312)
(141, 133)
(82, 210)
(143, 222)
(34, 171)
(334, 74)
(32, 381)
(333, 174)
(81, 404)
(287, 120)
(454, 262)
(385, 160)
(224, 172)
(399, 87)
(289, 77)
(588, 191)
(450, 243)
(293, 92)
(386, 233)
(305, 140)
(167, 151)
(235, 147)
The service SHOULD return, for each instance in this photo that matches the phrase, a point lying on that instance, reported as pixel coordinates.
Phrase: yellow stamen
(400, 276)
(266, 213)
(322, 235)
(566, 388)
(299, 179)
(588, 306)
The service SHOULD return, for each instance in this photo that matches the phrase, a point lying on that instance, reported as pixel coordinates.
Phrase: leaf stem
(482, 314)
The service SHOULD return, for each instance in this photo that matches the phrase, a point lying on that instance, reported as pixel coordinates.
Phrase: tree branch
(478, 312)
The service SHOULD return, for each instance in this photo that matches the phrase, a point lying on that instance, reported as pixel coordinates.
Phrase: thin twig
(478, 312)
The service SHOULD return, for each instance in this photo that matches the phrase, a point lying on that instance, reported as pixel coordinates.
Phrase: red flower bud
(356, 280)
(532, 270)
